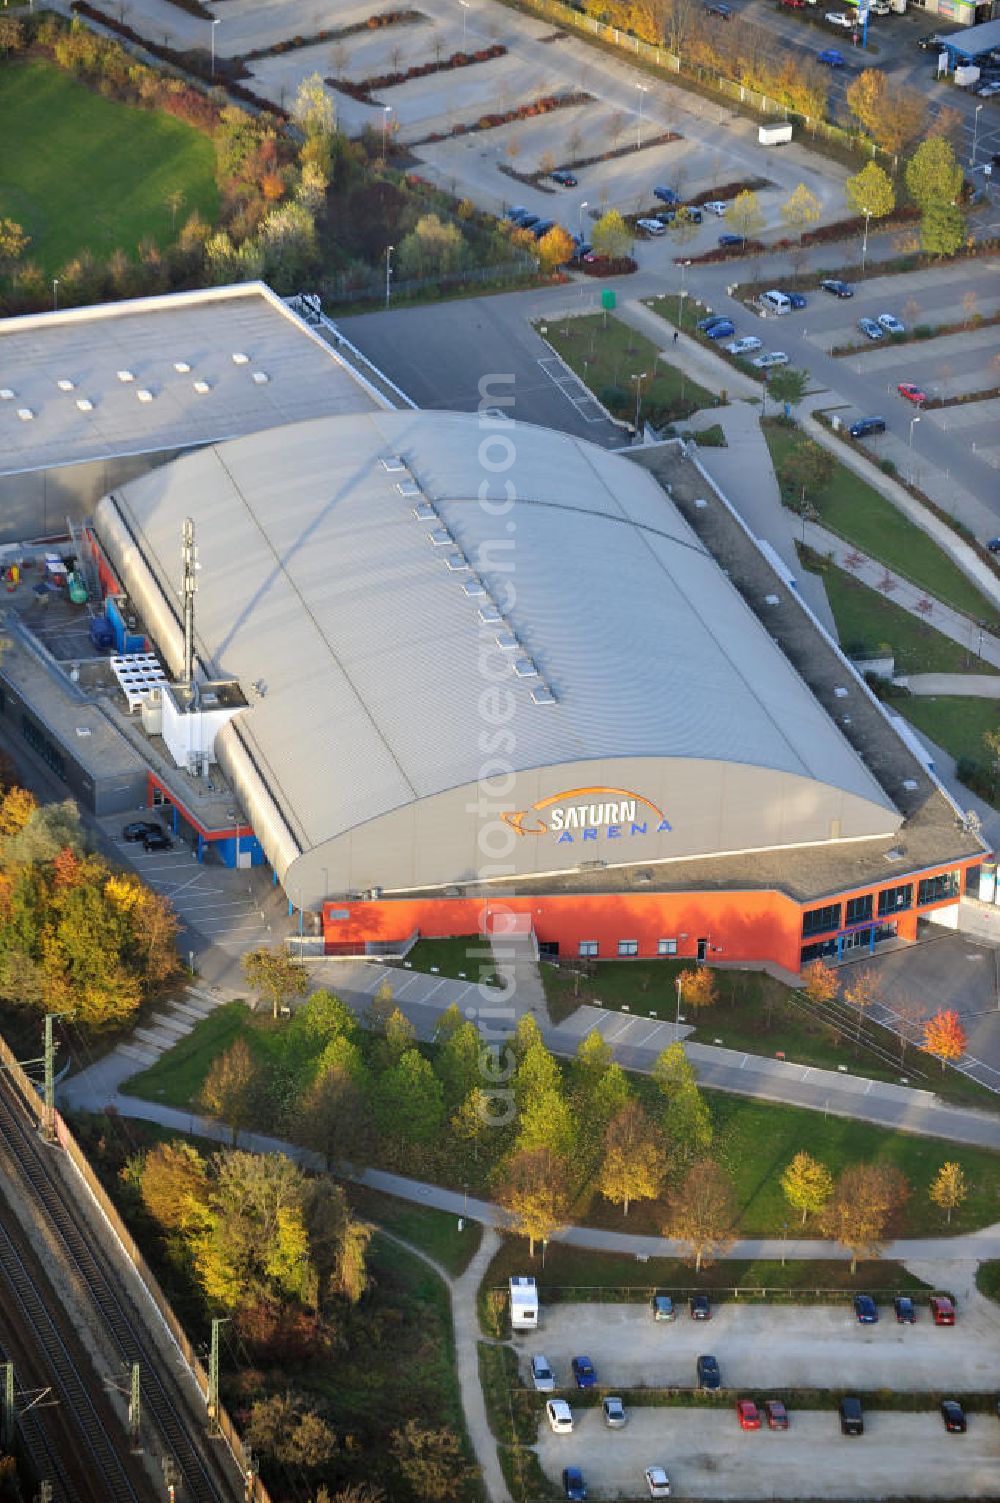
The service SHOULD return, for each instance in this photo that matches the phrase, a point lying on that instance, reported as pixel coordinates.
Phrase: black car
(692, 214)
(866, 1310)
(666, 216)
(730, 240)
(564, 178)
(954, 1416)
(994, 545)
(906, 1310)
(861, 429)
(709, 1375)
(139, 829)
(835, 286)
(926, 43)
(852, 1416)
(157, 840)
(796, 299)
(700, 1307)
(666, 196)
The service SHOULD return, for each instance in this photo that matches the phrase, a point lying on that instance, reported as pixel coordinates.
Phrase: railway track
(200, 1475)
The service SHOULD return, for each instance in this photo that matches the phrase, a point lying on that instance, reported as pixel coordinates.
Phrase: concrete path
(465, 1326)
(516, 957)
(976, 685)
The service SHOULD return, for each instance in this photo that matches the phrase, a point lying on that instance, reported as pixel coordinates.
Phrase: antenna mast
(189, 558)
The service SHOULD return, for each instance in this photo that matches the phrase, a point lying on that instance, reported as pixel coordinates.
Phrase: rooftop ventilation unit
(772, 599)
(85, 404)
(144, 394)
(474, 588)
(506, 640)
(409, 488)
(392, 463)
(65, 384)
(911, 785)
(525, 668)
(425, 512)
(25, 414)
(201, 387)
(701, 502)
(260, 378)
(489, 615)
(457, 562)
(125, 377)
(839, 692)
(543, 695)
(6, 395)
(239, 358)
(440, 537)
(895, 854)
(181, 367)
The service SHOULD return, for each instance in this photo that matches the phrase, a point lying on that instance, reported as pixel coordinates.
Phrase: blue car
(583, 1372)
(722, 330)
(866, 1310)
(906, 1311)
(831, 57)
(796, 299)
(666, 196)
(574, 1487)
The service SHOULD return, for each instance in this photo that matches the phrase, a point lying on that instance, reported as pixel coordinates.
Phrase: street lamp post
(386, 112)
(975, 135)
(639, 379)
(643, 89)
(677, 1015)
(214, 25)
(681, 295)
(864, 243)
(784, 1241)
(465, 16)
(582, 207)
(55, 294)
(913, 423)
(388, 271)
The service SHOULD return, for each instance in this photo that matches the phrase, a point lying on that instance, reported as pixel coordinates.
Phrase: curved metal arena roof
(353, 594)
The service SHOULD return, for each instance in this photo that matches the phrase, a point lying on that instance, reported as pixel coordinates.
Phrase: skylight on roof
(408, 488)
(440, 537)
(525, 668)
(392, 463)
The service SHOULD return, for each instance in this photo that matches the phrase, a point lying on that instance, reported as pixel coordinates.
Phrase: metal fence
(340, 290)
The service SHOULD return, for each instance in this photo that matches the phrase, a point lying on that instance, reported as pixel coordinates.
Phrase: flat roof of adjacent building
(163, 373)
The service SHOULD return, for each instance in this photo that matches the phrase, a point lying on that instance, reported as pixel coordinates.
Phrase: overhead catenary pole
(213, 1378)
(7, 1417)
(189, 584)
(135, 1411)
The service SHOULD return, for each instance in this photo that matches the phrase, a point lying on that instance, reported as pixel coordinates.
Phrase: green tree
(611, 236)
(314, 110)
(635, 1160)
(338, 1241)
(943, 229)
(400, 1034)
(746, 215)
(280, 1428)
(432, 248)
(287, 245)
(409, 1101)
(334, 1118)
(275, 976)
(805, 471)
(865, 1198)
(701, 1213)
(174, 1187)
(322, 1017)
(933, 177)
(526, 1033)
(534, 1190)
(14, 240)
(687, 1122)
(459, 1065)
(801, 209)
(870, 192)
(431, 1462)
(807, 1184)
(788, 384)
(230, 1087)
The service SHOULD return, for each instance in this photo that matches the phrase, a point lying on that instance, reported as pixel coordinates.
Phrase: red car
(793, 4)
(746, 1413)
(912, 393)
(777, 1414)
(942, 1310)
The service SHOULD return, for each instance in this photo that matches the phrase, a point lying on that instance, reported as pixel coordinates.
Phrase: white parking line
(626, 1025)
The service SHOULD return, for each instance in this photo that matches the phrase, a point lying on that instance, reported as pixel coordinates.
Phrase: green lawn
(857, 512)
(467, 957)
(988, 1278)
(958, 723)
(867, 622)
(434, 1232)
(82, 172)
(605, 354)
(178, 1075)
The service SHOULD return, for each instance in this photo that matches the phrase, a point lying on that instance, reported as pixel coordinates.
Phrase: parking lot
(770, 1346)
(706, 1455)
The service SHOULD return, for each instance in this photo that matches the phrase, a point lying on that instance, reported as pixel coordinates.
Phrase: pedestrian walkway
(975, 685)
(687, 354)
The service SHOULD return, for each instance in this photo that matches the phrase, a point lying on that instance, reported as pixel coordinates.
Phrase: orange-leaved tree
(819, 981)
(944, 1036)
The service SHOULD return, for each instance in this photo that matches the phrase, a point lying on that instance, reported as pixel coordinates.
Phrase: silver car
(744, 346)
(614, 1413)
(773, 357)
(891, 324)
(542, 1375)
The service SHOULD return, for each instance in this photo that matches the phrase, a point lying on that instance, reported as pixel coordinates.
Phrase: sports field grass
(81, 172)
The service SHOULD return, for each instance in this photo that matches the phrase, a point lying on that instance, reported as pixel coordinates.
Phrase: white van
(775, 302)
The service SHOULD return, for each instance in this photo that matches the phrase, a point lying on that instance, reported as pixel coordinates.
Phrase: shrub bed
(608, 266)
(334, 34)
(541, 106)
(363, 89)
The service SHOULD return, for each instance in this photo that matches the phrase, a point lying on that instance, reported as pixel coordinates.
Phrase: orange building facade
(753, 927)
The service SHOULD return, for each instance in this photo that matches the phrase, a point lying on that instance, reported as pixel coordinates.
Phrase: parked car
(870, 329)
(526, 221)
(863, 428)
(724, 329)
(744, 346)
(584, 249)
(866, 1310)
(514, 212)
(911, 393)
(614, 1413)
(718, 9)
(704, 324)
(658, 1482)
(727, 240)
(583, 1372)
(891, 324)
(797, 299)
(942, 1310)
(667, 196)
(156, 839)
(564, 179)
(574, 1487)
(777, 1414)
(988, 89)
(954, 1416)
(700, 1305)
(906, 1310)
(716, 206)
(542, 228)
(662, 1307)
(560, 1416)
(993, 544)
(793, 4)
(666, 216)
(709, 1375)
(651, 226)
(542, 1375)
(929, 42)
(747, 1414)
(840, 18)
(769, 358)
(836, 287)
(139, 829)
(830, 57)
(852, 1416)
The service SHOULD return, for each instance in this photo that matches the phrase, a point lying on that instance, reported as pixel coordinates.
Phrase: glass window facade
(628, 947)
(895, 899)
(858, 909)
(821, 920)
(666, 947)
(589, 948)
(933, 889)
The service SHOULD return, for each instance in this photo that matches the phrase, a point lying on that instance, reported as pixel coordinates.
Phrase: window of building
(628, 947)
(933, 889)
(589, 948)
(821, 920)
(666, 947)
(972, 876)
(859, 910)
(895, 899)
(821, 950)
(42, 746)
